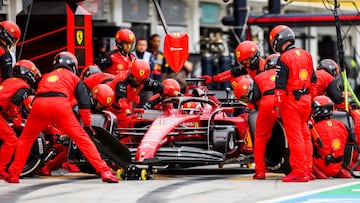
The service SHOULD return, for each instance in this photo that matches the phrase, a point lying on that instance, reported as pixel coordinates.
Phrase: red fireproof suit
(238, 71)
(326, 84)
(114, 62)
(52, 104)
(98, 78)
(355, 114)
(125, 95)
(329, 157)
(12, 93)
(265, 120)
(295, 77)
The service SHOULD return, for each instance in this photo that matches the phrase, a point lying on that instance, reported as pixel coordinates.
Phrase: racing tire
(277, 150)
(37, 153)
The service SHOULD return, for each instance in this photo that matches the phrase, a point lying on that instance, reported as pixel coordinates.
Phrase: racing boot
(259, 175)
(296, 177)
(108, 177)
(318, 173)
(70, 167)
(3, 174)
(343, 173)
(12, 179)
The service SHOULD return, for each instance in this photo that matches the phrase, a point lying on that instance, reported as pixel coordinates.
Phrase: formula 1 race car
(188, 131)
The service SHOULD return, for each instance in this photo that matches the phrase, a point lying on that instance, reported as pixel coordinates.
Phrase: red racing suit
(265, 82)
(52, 104)
(5, 63)
(329, 158)
(12, 93)
(326, 84)
(295, 77)
(237, 71)
(355, 114)
(98, 78)
(114, 62)
(125, 95)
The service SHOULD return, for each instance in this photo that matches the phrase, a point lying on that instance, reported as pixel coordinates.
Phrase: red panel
(71, 29)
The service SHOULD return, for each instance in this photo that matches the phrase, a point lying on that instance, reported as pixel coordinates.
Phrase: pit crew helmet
(244, 89)
(67, 60)
(9, 32)
(271, 61)
(139, 71)
(329, 66)
(173, 84)
(280, 35)
(125, 35)
(27, 70)
(89, 70)
(247, 54)
(322, 107)
(103, 94)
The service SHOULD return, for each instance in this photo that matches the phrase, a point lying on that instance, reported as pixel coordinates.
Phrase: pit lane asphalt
(202, 184)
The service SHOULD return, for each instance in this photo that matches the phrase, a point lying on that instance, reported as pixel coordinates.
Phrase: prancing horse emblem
(79, 36)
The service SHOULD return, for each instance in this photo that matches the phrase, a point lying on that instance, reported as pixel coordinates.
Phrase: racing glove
(208, 79)
(278, 98)
(85, 116)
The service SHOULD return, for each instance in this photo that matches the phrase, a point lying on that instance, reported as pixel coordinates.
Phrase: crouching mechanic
(328, 156)
(128, 86)
(12, 93)
(55, 93)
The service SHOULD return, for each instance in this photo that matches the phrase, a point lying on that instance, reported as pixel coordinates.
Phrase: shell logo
(96, 90)
(336, 144)
(120, 67)
(188, 105)
(273, 77)
(329, 123)
(141, 72)
(297, 52)
(52, 78)
(12, 29)
(131, 36)
(357, 111)
(108, 100)
(303, 74)
(1, 87)
(234, 83)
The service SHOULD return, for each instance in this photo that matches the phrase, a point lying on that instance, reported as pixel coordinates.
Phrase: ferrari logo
(120, 67)
(336, 144)
(329, 123)
(141, 72)
(108, 100)
(303, 74)
(238, 54)
(79, 37)
(53, 78)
